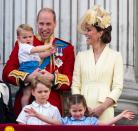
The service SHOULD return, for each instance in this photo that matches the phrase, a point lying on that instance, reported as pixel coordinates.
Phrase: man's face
(45, 24)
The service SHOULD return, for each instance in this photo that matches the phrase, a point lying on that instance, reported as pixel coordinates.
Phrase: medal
(58, 62)
(57, 54)
(61, 52)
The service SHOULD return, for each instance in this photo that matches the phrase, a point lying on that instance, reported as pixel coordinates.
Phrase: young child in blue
(30, 56)
(79, 114)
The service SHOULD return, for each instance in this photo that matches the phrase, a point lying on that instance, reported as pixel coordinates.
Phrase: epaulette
(61, 43)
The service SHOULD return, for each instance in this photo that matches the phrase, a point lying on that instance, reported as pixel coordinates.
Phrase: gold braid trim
(18, 75)
(47, 40)
(61, 79)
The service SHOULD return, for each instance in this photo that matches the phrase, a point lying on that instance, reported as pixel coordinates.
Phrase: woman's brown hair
(106, 37)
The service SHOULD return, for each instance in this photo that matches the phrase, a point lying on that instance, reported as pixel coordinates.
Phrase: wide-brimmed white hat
(95, 15)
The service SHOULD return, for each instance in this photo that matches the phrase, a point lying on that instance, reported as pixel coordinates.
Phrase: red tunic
(65, 68)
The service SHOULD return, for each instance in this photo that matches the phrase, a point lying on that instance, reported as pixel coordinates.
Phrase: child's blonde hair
(25, 27)
(42, 80)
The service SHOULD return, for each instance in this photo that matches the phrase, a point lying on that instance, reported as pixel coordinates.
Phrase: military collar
(47, 40)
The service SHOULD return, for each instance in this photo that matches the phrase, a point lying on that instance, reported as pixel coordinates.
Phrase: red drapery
(16, 127)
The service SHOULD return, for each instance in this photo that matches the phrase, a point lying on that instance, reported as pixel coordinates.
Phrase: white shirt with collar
(24, 53)
(46, 109)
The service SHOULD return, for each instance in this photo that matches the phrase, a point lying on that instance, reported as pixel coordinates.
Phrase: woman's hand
(97, 111)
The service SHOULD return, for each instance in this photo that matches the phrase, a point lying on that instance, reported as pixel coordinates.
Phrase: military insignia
(61, 52)
(18, 75)
(61, 79)
(58, 62)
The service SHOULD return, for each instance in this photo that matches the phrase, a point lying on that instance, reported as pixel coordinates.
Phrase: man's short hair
(47, 10)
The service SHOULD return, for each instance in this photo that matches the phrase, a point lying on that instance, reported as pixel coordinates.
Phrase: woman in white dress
(98, 72)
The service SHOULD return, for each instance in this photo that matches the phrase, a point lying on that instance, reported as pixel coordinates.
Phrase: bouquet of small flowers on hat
(95, 16)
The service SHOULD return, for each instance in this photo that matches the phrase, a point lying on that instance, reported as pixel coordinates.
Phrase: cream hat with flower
(95, 15)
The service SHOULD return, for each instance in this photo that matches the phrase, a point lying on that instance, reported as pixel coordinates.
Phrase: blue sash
(59, 44)
(45, 62)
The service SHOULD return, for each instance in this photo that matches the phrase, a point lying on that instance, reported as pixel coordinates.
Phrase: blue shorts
(29, 66)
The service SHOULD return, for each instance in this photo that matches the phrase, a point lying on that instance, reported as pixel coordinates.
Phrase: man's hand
(46, 74)
(32, 75)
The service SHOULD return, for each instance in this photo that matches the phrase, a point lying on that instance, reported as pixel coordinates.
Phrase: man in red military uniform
(59, 65)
